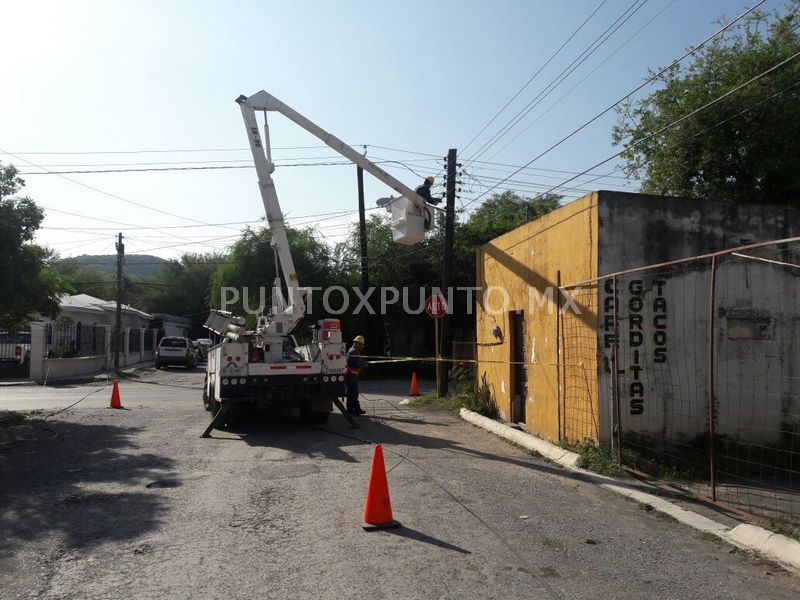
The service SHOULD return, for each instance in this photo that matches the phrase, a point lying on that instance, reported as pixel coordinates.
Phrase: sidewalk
(779, 548)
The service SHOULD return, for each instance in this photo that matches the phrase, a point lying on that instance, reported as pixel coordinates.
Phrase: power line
(109, 194)
(628, 95)
(160, 151)
(203, 168)
(561, 77)
(148, 169)
(428, 247)
(527, 83)
(194, 150)
(477, 168)
(530, 184)
(286, 216)
(691, 114)
(400, 150)
(589, 74)
(277, 161)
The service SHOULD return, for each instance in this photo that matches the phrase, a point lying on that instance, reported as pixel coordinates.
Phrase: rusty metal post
(558, 353)
(615, 373)
(710, 376)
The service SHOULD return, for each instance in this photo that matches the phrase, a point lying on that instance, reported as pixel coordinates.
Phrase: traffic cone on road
(115, 401)
(414, 389)
(378, 509)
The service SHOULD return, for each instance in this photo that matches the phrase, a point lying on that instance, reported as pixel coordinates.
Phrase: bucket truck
(266, 366)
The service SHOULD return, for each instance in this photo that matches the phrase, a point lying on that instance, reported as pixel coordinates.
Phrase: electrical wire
(478, 166)
(209, 162)
(522, 561)
(639, 87)
(103, 192)
(527, 83)
(332, 163)
(426, 248)
(559, 79)
(589, 74)
(163, 151)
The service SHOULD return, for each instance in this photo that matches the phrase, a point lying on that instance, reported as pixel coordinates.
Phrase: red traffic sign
(436, 306)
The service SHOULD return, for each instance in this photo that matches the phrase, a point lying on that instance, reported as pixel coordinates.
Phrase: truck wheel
(206, 399)
(213, 404)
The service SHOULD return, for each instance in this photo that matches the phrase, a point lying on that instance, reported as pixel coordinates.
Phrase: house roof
(174, 319)
(88, 303)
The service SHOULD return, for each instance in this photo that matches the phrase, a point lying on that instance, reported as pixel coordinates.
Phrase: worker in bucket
(354, 365)
(425, 191)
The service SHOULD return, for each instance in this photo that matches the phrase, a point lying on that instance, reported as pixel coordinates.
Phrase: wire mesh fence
(756, 370)
(697, 382)
(579, 407)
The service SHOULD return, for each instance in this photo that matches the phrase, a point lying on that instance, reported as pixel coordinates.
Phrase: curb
(783, 550)
(102, 376)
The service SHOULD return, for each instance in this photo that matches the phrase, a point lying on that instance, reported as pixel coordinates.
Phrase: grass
(787, 528)
(749, 555)
(711, 538)
(426, 400)
(477, 397)
(595, 458)
(14, 418)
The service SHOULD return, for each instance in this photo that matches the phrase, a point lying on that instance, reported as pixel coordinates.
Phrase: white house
(170, 325)
(86, 309)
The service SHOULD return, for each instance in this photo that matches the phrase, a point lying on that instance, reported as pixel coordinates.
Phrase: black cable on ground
(497, 535)
(54, 434)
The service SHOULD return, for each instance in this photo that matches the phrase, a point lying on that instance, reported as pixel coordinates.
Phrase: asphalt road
(133, 504)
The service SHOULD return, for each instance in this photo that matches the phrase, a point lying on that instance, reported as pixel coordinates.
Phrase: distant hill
(143, 265)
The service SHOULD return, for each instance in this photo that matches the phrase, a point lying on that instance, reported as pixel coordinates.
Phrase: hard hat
(360, 339)
(429, 179)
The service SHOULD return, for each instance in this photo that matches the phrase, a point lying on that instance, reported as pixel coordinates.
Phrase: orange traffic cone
(115, 401)
(378, 510)
(414, 389)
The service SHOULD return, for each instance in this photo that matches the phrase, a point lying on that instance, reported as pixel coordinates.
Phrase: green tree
(28, 283)
(251, 264)
(181, 287)
(742, 149)
(85, 280)
(394, 265)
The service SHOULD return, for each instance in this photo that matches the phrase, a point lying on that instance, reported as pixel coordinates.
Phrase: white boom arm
(267, 102)
(286, 318)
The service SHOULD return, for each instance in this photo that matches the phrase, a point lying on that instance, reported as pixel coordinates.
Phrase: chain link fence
(693, 374)
(579, 418)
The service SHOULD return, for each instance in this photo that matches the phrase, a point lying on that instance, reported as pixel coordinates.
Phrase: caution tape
(378, 360)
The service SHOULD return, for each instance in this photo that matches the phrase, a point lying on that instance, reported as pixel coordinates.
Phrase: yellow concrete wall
(531, 256)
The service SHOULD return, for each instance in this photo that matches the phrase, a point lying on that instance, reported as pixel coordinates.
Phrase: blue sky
(418, 76)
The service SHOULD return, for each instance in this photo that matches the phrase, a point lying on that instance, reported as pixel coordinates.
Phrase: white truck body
(264, 366)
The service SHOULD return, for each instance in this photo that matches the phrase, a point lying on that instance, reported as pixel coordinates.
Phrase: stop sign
(436, 306)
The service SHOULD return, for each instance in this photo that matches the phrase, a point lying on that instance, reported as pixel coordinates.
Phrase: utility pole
(118, 326)
(445, 350)
(362, 234)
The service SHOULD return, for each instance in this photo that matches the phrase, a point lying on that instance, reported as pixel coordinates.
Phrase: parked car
(175, 351)
(15, 347)
(205, 344)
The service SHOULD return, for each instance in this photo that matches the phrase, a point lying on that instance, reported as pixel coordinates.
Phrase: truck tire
(206, 399)
(213, 404)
